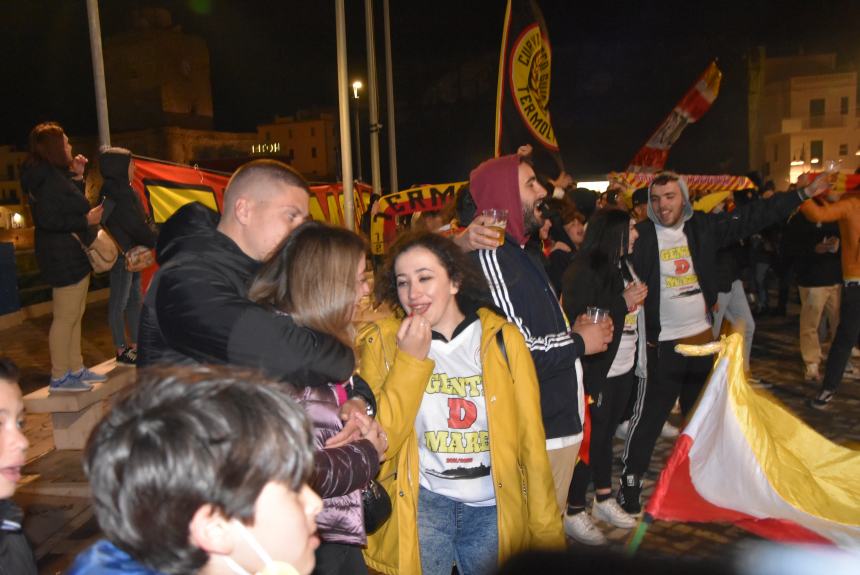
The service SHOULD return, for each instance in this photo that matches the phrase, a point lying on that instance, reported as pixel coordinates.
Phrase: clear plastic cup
(499, 221)
(596, 314)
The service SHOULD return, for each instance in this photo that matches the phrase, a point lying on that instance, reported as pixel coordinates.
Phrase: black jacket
(59, 209)
(706, 234)
(812, 269)
(196, 310)
(521, 289)
(583, 287)
(16, 558)
(123, 216)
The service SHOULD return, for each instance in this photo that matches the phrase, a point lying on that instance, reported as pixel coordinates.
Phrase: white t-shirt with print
(452, 427)
(682, 305)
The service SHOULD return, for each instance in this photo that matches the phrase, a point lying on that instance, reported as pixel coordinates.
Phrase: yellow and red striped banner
(695, 182)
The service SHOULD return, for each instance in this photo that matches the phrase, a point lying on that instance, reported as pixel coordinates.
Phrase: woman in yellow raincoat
(457, 394)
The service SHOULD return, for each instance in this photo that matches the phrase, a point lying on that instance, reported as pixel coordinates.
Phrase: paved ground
(60, 520)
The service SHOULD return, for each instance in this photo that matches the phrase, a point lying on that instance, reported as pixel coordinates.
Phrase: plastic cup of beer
(498, 220)
(596, 314)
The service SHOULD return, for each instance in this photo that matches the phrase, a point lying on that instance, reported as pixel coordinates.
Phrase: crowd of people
(267, 432)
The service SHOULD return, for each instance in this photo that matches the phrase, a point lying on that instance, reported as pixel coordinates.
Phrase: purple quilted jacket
(339, 473)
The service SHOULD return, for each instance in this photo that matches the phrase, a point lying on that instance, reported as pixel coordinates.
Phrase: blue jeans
(760, 281)
(451, 532)
(124, 303)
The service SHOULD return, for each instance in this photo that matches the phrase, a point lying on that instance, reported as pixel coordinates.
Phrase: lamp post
(356, 86)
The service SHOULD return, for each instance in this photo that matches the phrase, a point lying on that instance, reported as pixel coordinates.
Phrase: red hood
(495, 184)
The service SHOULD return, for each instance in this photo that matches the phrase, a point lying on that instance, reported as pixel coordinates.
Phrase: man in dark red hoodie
(522, 290)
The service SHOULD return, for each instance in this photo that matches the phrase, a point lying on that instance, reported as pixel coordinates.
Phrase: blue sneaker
(69, 383)
(90, 376)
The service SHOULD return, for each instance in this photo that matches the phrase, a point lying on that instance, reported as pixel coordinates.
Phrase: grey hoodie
(688, 207)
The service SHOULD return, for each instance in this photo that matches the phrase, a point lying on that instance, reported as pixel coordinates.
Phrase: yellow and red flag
(698, 99)
(745, 459)
(522, 99)
(164, 187)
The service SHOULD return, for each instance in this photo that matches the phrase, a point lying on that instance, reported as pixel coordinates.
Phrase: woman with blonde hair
(317, 276)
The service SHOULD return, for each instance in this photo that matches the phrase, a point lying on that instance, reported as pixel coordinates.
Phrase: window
(766, 169)
(775, 153)
(313, 150)
(313, 133)
(843, 105)
(290, 133)
(816, 107)
(816, 151)
(843, 149)
(816, 113)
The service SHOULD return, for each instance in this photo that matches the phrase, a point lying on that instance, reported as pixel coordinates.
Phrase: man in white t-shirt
(675, 256)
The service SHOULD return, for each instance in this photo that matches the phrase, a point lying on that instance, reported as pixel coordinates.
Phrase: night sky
(618, 68)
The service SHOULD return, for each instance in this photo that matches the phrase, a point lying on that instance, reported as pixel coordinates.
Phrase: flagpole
(98, 72)
(343, 109)
(389, 90)
(639, 534)
(372, 98)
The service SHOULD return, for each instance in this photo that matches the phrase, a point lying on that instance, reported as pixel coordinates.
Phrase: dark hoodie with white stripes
(521, 289)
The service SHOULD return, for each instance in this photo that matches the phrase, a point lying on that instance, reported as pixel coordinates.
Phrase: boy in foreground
(202, 470)
(16, 558)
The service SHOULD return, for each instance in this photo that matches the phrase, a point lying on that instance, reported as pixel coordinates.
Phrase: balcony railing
(799, 123)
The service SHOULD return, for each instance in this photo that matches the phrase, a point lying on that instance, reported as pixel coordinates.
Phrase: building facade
(308, 141)
(806, 114)
(14, 212)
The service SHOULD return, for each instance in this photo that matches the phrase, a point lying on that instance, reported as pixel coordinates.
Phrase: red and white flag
(745, 459)
(698, 99)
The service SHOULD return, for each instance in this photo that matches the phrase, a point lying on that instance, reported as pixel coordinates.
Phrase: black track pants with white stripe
(670, 376)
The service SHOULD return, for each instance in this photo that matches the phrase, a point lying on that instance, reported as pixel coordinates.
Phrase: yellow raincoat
(528, 516)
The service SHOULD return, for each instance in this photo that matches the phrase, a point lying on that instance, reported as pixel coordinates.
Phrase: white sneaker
(669, 431)
(581, 528)
(610, 512)
(855, 352)
(622, 430)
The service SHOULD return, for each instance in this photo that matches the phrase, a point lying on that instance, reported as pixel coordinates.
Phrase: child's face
(13, 444)
(285, 525)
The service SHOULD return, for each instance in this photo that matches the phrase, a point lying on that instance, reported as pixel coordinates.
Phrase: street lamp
(356, 86)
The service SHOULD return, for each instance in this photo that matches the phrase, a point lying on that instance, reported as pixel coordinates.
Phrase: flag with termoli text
(698, 99)
(745, 459)
(523, 96)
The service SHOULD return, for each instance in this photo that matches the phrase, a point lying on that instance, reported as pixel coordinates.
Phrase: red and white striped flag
(652, 157)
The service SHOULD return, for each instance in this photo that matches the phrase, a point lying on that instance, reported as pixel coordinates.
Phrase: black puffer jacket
(16, 558)
(197, 310)
(59, 209)
(123, 216)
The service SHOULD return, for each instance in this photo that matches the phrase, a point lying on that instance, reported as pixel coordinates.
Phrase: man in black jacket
(522, 290)
(815, 250)
(675, 256)
(197, 310)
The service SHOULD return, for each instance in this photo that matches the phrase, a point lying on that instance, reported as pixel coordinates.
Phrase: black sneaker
(127, 357)
(630, 494)
(822, 400)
